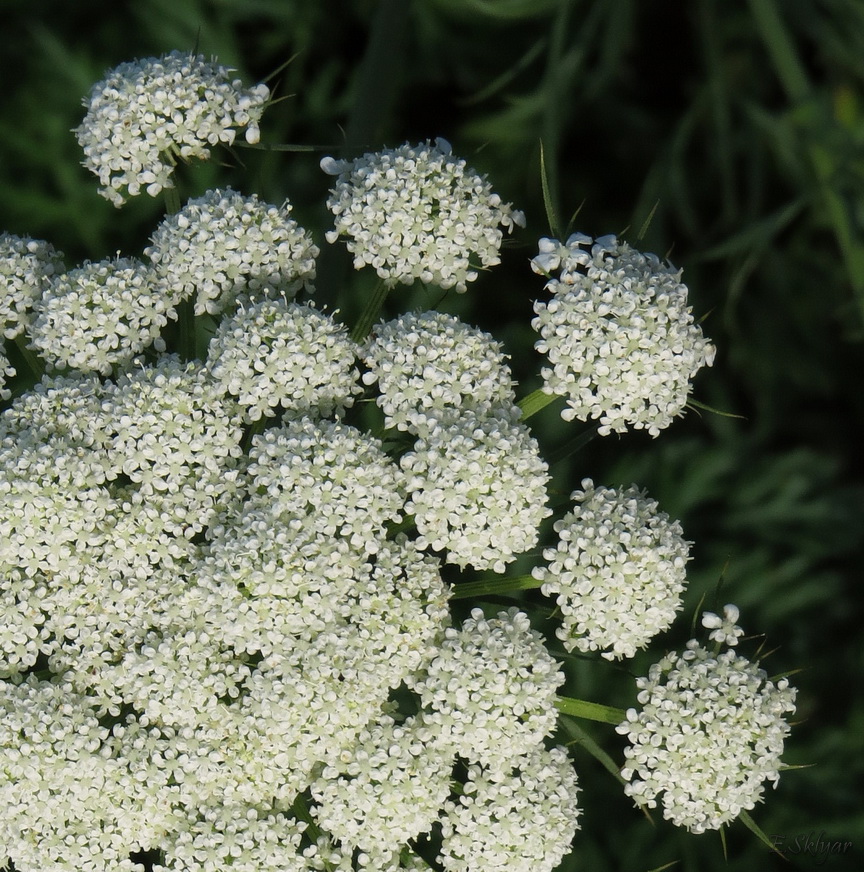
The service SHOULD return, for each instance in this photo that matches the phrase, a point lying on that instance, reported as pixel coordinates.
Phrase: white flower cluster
(619, 570)
(518, 821)
(418, 213)
(477, 488)
(26, 266)
(148, 114)
(100, 315)
(618, 332)
(223, 244)
(273, 354)
(433, 364)
(724, 629)
(709, 733)
(490, 690)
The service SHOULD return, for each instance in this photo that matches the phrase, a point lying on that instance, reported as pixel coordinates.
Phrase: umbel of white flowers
(215, 643)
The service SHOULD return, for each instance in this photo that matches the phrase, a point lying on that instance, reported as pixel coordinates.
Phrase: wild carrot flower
(418, 213)
(618, 333)
(146, 115)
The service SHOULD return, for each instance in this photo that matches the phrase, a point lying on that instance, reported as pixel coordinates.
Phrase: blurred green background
(729, 137)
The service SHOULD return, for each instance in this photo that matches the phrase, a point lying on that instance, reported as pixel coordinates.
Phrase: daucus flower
(618, 333)
(418, 213)
(490, 691)
(517, 820)
(709, 733)
(618, 571)
(26, 267)
(724, 628)
(273, 354)
(223, 244)
(432, 364)
(477, 488)
(147, 114)
(100, 315)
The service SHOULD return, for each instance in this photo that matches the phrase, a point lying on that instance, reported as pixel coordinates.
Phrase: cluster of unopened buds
(225, 637)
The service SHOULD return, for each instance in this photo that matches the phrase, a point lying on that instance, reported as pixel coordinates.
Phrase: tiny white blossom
(723, 629)
(100, 315)
(223, 244)
(618, 570)
(709, 733)
(519, 820)
(618, 333)
(146, 114)
(418, 213)
(273, 354)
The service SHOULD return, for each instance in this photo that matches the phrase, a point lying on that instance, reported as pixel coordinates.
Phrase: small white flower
(147, 114)
(518, 820)
(619, 335)
(491, 689)
(477, 489)
(100, 315)
(273, 354)
(418, 213)
(723, 629)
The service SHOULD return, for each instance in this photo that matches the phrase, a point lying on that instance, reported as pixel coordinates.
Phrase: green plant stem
(37, 367)
(592, 711)
(371, 312)
(493, 586)
(534, 402)
(172, 201)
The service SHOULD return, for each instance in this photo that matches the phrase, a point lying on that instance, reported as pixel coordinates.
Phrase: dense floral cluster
(418, 213)
(26, 266)
(618, 571)
(618, 332)
(273, 354)
(222, 244)
(709, 733)
(434, 365)
(102, 314)
(148, 114)
(225, 637)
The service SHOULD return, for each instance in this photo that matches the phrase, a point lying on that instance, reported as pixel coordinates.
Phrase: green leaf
(551, 217)
(493, 586)
(706, 408)
(534, 402)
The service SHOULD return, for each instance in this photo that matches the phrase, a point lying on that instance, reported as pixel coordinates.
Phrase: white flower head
(100, 315)
(618, 571)
(709, 734)
(491, 689)
(147, 114)
(725, 629)
(223, 244)
(26, 267)
(519, 820)
(430, 363)
(273, 354)
(618, 333)
(418, 213)
(477, 488)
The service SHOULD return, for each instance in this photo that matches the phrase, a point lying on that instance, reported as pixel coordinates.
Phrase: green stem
(37, 367)
(493, 586)
(534, 402)
(592, 711)
(186, 325)
(172, 201)
(371, 312)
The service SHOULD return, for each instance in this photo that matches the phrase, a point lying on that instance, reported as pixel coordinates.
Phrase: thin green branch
(592, 711)
(534, 402)
(371, 312)
(494, 586)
